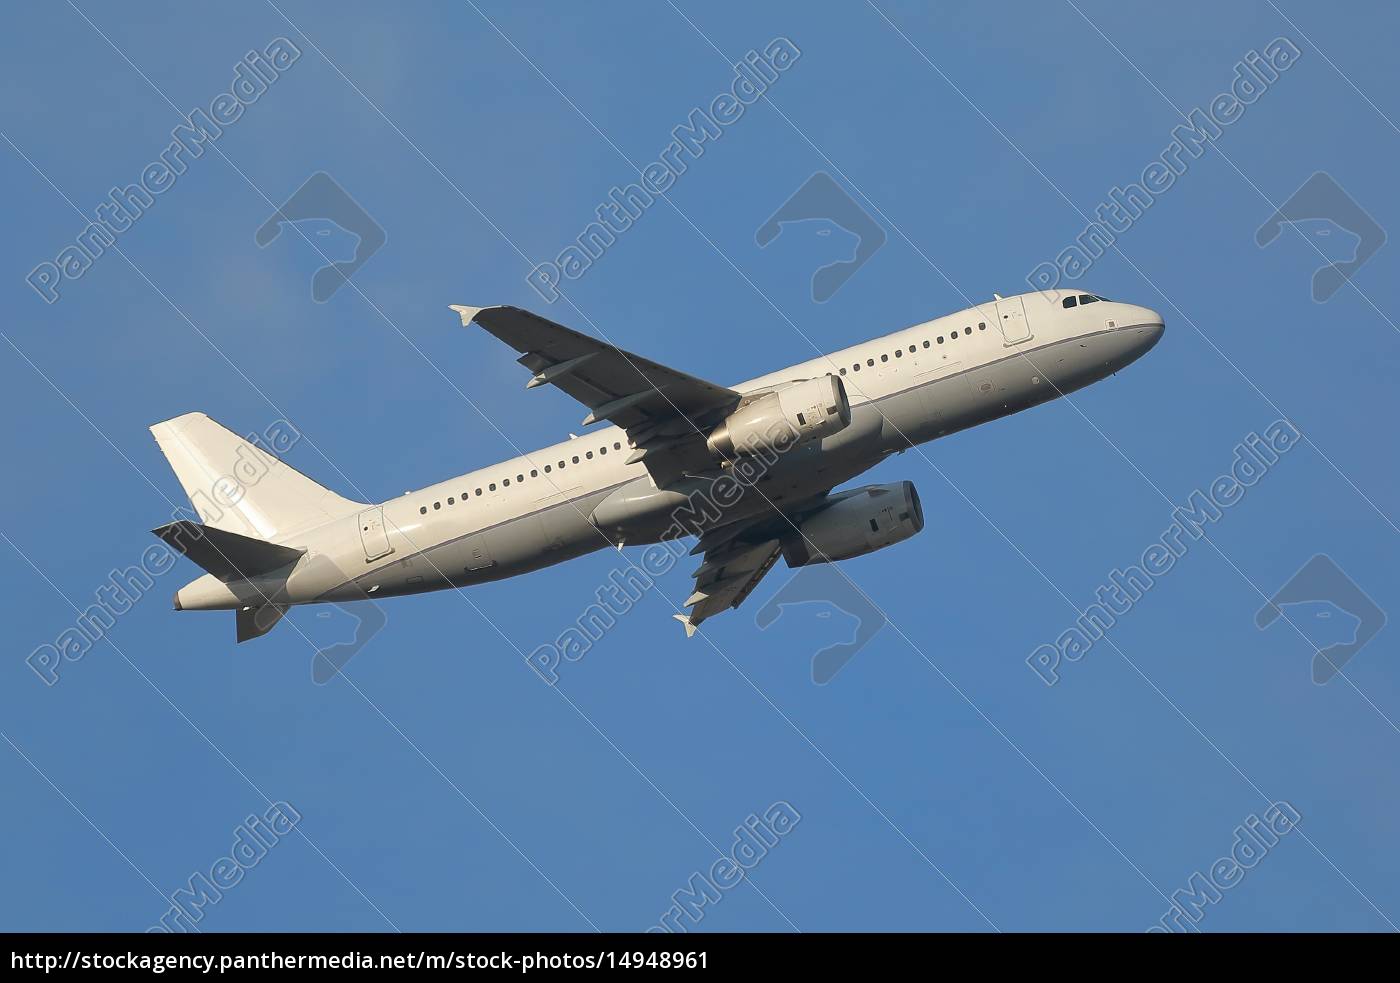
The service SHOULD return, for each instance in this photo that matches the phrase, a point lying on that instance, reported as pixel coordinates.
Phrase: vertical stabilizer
(236, 484)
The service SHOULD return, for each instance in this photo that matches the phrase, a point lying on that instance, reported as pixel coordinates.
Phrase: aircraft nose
(1149, 331)
(1136, 314)
(1146, 324)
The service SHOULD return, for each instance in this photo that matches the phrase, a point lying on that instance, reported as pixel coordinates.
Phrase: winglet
(467, 313)
(689, 625)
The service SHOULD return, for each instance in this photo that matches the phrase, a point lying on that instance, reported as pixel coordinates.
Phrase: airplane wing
(737, 555)
(663, 411)
(730, 571)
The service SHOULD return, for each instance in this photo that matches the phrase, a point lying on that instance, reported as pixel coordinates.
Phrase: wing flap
(726, 578)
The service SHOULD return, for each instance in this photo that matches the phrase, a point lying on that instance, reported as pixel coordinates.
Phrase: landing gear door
(1011, 317)
(373, 535)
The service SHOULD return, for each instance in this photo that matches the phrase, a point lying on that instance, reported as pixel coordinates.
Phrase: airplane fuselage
(578, 496)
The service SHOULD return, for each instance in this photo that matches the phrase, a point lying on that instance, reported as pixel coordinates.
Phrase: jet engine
(855, 523)
(795, 414)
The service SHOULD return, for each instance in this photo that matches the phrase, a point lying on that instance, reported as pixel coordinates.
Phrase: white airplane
(750, 469)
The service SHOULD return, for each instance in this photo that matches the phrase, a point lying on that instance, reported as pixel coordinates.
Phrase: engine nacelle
(803, 411)
(855, 523)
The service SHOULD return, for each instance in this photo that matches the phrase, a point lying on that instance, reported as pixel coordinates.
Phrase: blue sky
(941, 784)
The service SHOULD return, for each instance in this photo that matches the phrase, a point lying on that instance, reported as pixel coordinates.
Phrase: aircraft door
(1011, 318)
(479, 553)
(373, 536)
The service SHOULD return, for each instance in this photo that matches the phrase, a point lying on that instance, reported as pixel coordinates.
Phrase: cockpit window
(1088, 299)
(1070, 301)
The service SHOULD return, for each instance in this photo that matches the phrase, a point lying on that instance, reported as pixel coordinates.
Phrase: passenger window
(603, 449)
(913, 349)
(1070, 302)
(519, 478)
(492, 486)
(546, 469)
(574, 459)
(423, 510)
(534, 474)
(506, 483)
(925, 342)
(561, 465)
(869, 361)
(899, 353)
(981, 325)
(967, 331)
(451, 500)
(478, 493)
(437, 505)
(856, 367)
(617, 446)
(940, 339)
(884, 358)
(843, 371)
(589, 455)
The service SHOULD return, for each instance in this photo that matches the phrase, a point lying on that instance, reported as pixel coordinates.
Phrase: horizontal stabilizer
(226, 555)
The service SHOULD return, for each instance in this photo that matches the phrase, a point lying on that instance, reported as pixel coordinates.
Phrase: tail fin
(239, 486)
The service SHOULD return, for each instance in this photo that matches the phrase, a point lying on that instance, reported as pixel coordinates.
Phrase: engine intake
(855, 523)
(795, 414)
